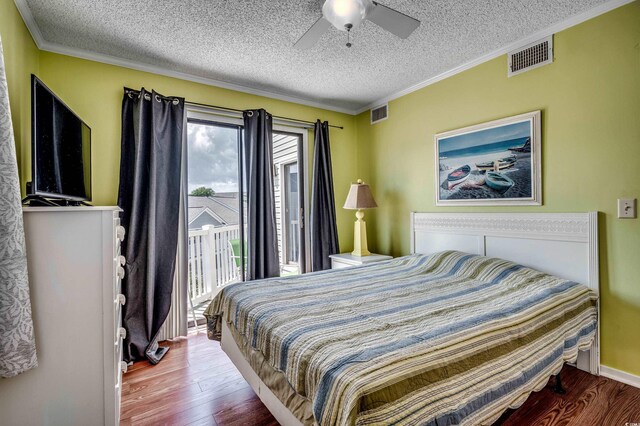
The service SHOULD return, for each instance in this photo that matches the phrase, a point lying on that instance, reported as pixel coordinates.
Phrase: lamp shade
(360, 197)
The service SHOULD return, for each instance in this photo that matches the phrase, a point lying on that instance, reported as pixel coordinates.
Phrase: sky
(213, 157)
(482, 137)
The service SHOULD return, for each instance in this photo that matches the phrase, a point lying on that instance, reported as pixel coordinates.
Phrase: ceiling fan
(348, 14)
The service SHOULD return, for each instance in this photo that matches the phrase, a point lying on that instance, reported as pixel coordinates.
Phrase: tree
(203, 192)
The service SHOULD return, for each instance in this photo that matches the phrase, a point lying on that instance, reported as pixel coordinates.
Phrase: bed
(457, 332)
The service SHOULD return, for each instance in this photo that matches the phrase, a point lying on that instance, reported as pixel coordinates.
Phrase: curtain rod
(240, 110)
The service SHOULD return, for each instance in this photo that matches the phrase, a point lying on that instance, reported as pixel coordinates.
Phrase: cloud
(213, 157)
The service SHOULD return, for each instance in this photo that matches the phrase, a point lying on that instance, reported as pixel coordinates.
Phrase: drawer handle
(120, 272)
(122, 260)
(120, 232)
(123, 366)
(122, 333)
(121, 299)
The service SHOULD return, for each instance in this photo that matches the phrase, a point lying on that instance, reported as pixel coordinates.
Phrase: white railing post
(192, 267)
(212, 275)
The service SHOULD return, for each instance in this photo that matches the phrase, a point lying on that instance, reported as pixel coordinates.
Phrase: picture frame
(489, 164)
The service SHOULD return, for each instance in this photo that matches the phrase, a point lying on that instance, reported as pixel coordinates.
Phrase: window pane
(213, 157)
(213, 214)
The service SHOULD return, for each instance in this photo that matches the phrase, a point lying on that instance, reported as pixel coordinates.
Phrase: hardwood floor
(196, 384)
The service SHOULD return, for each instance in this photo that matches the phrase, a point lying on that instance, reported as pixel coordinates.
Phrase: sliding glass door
(215, 208)
(289, 183)
(217, 204)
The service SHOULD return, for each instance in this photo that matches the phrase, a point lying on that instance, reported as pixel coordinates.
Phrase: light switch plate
(626, 208)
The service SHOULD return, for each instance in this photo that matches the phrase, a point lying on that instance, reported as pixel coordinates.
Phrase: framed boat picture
(494, 163)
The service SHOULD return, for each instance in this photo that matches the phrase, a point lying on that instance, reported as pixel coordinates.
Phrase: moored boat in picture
(503, 163)
(458, 176)
(498, 181)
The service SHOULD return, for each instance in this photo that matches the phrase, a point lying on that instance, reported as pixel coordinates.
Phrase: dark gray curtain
(257, 154)
(324, 231)
(149, 195)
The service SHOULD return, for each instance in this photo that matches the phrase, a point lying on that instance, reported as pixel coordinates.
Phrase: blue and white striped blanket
(444, 339)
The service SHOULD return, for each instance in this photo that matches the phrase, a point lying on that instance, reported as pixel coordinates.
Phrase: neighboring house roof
(196, 212)
(222, 207)
(202, 218)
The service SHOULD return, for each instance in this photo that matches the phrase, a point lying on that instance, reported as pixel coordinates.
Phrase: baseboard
(620, 376)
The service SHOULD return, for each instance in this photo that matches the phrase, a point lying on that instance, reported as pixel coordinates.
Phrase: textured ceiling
(249, 43)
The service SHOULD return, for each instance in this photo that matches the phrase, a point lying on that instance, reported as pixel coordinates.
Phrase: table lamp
(360, 198)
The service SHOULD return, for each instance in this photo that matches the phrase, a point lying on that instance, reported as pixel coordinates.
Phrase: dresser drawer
(118, 303)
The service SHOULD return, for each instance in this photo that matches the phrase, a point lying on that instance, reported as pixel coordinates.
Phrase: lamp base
(361, 253)
(360, 236)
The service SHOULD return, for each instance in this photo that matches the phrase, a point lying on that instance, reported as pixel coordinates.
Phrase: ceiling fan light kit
(342, 13)
(348, 14)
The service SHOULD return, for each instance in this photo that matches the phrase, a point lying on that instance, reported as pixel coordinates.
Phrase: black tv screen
(61, 148)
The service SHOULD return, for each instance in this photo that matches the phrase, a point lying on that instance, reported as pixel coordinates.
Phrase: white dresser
(74, 272)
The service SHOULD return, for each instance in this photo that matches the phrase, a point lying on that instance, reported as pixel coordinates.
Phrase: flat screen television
(60, 148)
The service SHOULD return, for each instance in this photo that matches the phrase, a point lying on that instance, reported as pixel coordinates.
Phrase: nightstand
(344, 260)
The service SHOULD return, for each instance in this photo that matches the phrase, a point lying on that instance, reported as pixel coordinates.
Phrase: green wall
(590, 102)
(21, 59)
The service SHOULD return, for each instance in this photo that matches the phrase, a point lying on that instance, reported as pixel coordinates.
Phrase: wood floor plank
(196, 385)
(175, 400)
(250, 412)
(205, 421)
(149, 370)
(184, 412)
(574, 405)
(627, 407)
(546, 406)
(599, 400)
(178, 378)
(218, 380)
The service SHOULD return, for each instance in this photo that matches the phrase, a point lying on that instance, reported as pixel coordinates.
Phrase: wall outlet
(626, 208)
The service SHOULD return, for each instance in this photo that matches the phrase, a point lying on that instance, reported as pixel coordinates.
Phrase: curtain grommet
(147, 97)
(250, 113)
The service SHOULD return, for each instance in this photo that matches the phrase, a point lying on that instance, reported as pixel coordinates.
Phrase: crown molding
(125, 63)
(42, 44)
(560, 26)
(30, 22)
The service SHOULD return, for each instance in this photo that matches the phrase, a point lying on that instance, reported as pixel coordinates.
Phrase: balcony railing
(211, 265)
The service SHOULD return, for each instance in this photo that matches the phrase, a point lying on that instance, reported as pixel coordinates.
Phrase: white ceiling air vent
(379, 113)
(531, 56)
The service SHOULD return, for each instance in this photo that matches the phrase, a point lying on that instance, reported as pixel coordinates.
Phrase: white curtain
(176, 323)
(17, 343)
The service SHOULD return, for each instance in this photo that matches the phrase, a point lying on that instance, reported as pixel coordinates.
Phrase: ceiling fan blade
(393, 21)
(313, 34)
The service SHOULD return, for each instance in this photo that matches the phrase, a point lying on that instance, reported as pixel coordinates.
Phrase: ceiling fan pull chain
(348, 27)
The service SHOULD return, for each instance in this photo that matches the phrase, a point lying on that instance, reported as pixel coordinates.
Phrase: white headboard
(562, 244)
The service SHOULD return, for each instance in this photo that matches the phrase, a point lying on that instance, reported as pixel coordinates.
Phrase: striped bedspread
(445, 339)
